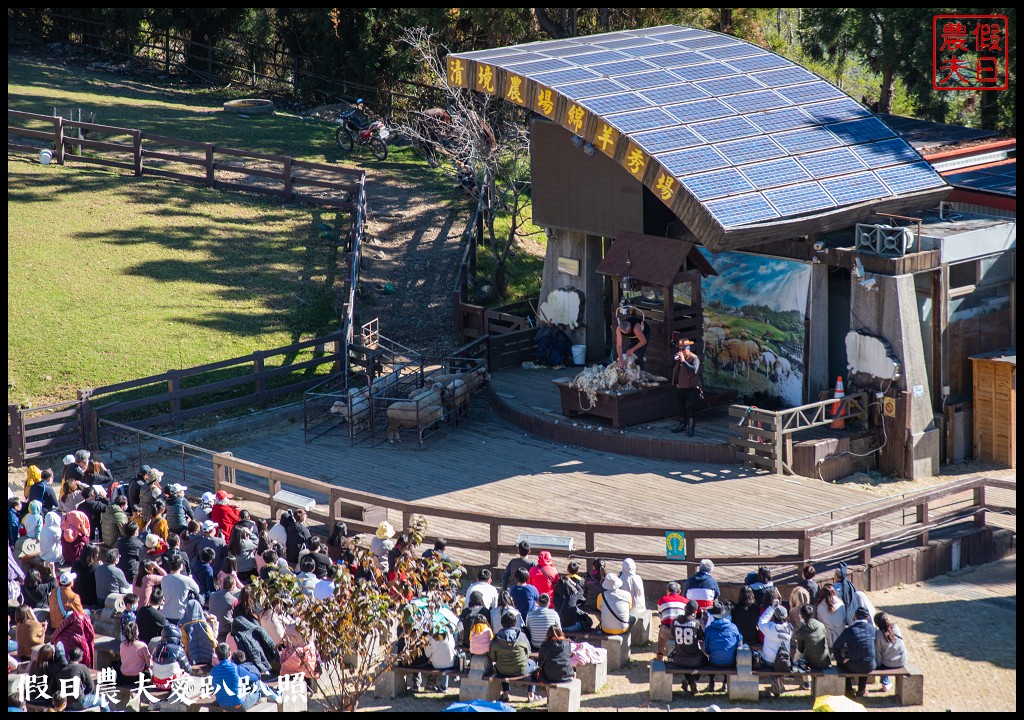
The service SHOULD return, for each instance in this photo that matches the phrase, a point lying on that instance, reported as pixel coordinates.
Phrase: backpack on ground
(782, 661)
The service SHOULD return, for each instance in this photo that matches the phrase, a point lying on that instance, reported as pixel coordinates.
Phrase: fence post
(261, 381)
(16, 435)
(58, 138)
(495, 552)
(167, 51)
(209, 165)
(288, 190)
(979, 502)
(137, 150)
(173, 386)
(864, 534)
(691, 547)
(922, 518)
(87, 420)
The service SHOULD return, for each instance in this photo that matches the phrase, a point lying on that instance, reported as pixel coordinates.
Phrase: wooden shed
(995, 406)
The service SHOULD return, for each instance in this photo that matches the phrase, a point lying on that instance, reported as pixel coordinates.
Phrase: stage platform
(528, 398)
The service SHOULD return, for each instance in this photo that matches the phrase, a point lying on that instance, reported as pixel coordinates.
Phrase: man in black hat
(855, 650)
(721, 639)
(689, 388)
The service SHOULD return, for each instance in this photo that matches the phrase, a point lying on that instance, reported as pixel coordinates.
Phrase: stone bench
(617, 646)
(663, 674)
(640, 634)
(389, 685)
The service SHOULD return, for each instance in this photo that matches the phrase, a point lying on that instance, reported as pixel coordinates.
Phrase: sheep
(410, 414)
(768, 359)
(783, 369)
(455, 397)
(735, 354)
(714, 337)
(355, 409)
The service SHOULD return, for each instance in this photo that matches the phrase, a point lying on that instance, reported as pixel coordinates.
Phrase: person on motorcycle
(360, 118)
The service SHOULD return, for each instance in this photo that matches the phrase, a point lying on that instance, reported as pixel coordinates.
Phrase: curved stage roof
(742, 144)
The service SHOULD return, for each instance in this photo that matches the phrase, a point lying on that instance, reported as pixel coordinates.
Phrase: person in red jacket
(224, 513)
(543, 575)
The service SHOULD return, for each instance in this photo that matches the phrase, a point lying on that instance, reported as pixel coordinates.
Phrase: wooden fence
(867, 529)
(215, 166)
(170, 398)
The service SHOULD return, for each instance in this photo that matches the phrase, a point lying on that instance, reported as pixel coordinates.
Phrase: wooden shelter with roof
(663, 283)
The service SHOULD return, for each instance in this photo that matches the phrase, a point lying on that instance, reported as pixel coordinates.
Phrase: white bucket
(579, 354)
(45, 157)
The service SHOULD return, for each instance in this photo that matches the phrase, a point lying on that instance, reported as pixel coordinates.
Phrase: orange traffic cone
(839, 423)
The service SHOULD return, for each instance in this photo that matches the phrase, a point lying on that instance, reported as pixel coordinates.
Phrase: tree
(483, 145)
(370, 625)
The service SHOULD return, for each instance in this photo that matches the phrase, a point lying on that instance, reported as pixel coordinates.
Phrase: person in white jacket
(831, 612)
(778, 635)
(633, 584)
(614, 602)
(441, 653)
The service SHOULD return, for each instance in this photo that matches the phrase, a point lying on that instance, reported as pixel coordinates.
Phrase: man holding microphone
(686, 378)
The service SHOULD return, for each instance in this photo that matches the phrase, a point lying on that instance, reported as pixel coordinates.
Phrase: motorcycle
(350, 134)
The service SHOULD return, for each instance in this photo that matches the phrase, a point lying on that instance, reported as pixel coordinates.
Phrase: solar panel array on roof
(748, 133)
(1000, 178)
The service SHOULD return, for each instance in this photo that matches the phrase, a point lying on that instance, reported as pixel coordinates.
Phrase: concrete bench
(640, 634)
(562, 697)
(108, 651)
(389, 685)
(617, 646)
(663, 674)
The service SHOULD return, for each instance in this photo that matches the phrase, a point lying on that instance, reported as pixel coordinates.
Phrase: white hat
(69, 459)
(152, 541)
(209, 526)
(176, 488)
(611, 582)
(385, 531)
(208, 498)
(66, 578)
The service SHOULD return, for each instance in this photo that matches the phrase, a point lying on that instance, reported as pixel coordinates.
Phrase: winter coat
(721, 639)
(543, 575)
(68, 599)
(50, 549)
(856, 644)
(614, 604)
(131, 550)
(703, 589)
(554, 660)
(812, 643)
(689, 654)
(76, 631)
(510, 649)
(112, 524)
(777, 635)
(225, 516)
(568, 601)
(890, 654)
(845, 590)
(199, 639)
(298, 534)
(834, 622)
(179, 512)
(253, 640)
(169, 658)
(633, 584)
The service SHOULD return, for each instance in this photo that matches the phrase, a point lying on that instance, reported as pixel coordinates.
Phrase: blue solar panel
(564, 77)
(754, 101)
(677, 59)
(728, 52)
(810, 92)
(596, 58)
(729, 85)
(672, 138)
(887, 152)
(752, 149)
(724, 129)
(659, 30)
(910, 178)
(498, 54)
(674, 94)
(774, 173)
(538, 66)
(642, 120)
(648, 50)
(741, 210)
(836, 111)
(855, 188)
(622, 102)
(708, 186)
(569, 51)
(695, 160)
(785, 119)
(760, 62)
(861, 131)
(624, 67)
(681, 34)
(831, 162)
(708, 42)
(785, 76)
(627, 41)
(799, 199)
(808, 140)
(699, 110)
(703, 72)
(651, 79)
(590, 88)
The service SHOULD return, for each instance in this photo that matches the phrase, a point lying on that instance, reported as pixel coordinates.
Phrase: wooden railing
(855, 535)
(764, 438)
(288, 176)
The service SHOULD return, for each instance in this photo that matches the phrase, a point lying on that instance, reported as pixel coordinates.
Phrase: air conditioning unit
(884, 240)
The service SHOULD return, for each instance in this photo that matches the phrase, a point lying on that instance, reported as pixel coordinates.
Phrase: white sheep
(410, 414)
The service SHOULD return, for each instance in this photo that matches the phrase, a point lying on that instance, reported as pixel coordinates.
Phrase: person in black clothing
(298, 536)
(75, 669)
(687, 381)
(174, 550)
(554, 657)
(84, 570)
(43, 492)
(854, 650)
(807, 581)
(523, 561)
(321, 559)
(688, 632)
(35, 592)
(475, 612)
(745, 614)
(150, 619)
(632, 336)
(131, 550)
(569, 599)
(93, 507)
